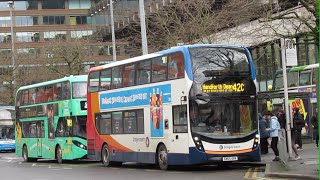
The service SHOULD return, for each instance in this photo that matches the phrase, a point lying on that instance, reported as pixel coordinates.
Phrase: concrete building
(37, 22)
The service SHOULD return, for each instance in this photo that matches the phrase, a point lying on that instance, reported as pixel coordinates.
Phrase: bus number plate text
(232, 158)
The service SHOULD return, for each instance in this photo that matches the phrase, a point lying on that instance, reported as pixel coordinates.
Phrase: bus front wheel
(59, 154)
(162, 157)
(25, 154)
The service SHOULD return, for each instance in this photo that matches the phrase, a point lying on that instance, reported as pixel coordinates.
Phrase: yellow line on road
(254, 174)
(248, 173)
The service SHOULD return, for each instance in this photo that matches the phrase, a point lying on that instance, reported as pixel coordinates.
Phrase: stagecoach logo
(229, 147)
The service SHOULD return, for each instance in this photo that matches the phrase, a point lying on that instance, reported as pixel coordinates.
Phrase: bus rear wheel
(105, 157)
(59, 154)
(162, 157)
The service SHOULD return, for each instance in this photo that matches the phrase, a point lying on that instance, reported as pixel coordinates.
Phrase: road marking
(10, 160)
(254, 174)
(246, 176)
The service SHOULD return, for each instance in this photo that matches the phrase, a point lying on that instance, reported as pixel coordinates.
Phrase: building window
(79, 4)
(26, 5)
(56, 4)
(50, 20)
(74, 20)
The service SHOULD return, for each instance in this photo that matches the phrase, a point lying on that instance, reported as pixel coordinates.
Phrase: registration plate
(232, 158)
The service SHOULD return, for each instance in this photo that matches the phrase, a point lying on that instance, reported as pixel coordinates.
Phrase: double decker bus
(51, 119)
(7, 123)
(193, 104)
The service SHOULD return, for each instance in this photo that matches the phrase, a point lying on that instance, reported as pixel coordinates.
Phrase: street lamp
(112, 32)
(11, 6)
(143, 28)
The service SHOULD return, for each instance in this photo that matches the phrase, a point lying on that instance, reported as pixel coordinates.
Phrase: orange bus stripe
(230, 152)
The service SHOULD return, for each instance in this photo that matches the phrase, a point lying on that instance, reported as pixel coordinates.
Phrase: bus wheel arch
(58, 154)
(162, 156)
(105, 156)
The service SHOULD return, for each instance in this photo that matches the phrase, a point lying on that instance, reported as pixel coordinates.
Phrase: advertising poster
(154, 97)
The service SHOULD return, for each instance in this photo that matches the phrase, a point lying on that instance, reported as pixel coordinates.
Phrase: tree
(66, 57)
(188, 21)
(288, 20)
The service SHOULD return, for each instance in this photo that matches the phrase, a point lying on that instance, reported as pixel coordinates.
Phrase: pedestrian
(282, 119)
(264, 134)
(274, 134)
(293, 138)
(314, 121)
(299, 124)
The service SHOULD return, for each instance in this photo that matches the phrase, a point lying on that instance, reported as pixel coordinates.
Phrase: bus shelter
(274, 101)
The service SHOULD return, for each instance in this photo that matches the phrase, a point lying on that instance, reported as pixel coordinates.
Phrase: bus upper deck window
(305, 78)
(176, 66)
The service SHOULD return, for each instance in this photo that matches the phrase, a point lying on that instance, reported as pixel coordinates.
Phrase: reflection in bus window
(105, 80)
(94, 81)
(176, 66)
(116, 77)
(159, 69)
(117, 123)
(305, 78)
(143, 70)
(129, 75)
(79, 90)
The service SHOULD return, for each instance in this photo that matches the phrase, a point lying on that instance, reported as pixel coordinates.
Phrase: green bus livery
(51, 120)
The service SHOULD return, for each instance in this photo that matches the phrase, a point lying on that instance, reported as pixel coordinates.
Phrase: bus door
(179, 137)
(40, 136)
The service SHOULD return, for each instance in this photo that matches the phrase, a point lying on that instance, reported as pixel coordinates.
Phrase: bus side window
(65, 90)
(143, 72)
(117, 77)
(93, 85)
(18, 103)
(314, 76)
(305, 78)
(176, 66)
(180, 124)
(129, 75)
(105, 80)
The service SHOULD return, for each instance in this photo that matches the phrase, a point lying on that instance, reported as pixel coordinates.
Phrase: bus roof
(160, 53)
(77, 78)
(299, 68)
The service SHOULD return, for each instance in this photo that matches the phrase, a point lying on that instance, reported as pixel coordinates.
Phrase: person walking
(299, 124)
(273, 130)
(314, 122)
(264, 134)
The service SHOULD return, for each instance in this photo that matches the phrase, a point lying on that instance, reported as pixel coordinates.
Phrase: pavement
(304, 168)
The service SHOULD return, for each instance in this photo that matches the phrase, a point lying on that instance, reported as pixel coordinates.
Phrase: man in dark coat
(314, 121)
(264, 134)
(298, 124)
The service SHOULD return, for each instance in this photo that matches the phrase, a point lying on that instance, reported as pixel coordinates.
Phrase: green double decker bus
(51, 120)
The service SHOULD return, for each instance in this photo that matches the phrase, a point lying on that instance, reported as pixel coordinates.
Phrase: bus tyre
(105, 156)
(25, 154)
(162, 157)
(59, 154)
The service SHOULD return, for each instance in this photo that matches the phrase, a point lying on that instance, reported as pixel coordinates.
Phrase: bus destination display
(222, 88)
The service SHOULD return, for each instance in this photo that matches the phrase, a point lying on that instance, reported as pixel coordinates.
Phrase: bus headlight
(198, 143)
(256, 141)
(79, 144)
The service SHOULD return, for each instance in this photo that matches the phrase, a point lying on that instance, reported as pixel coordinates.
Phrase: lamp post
(112, 32)
(11, 7)
(143, 28)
